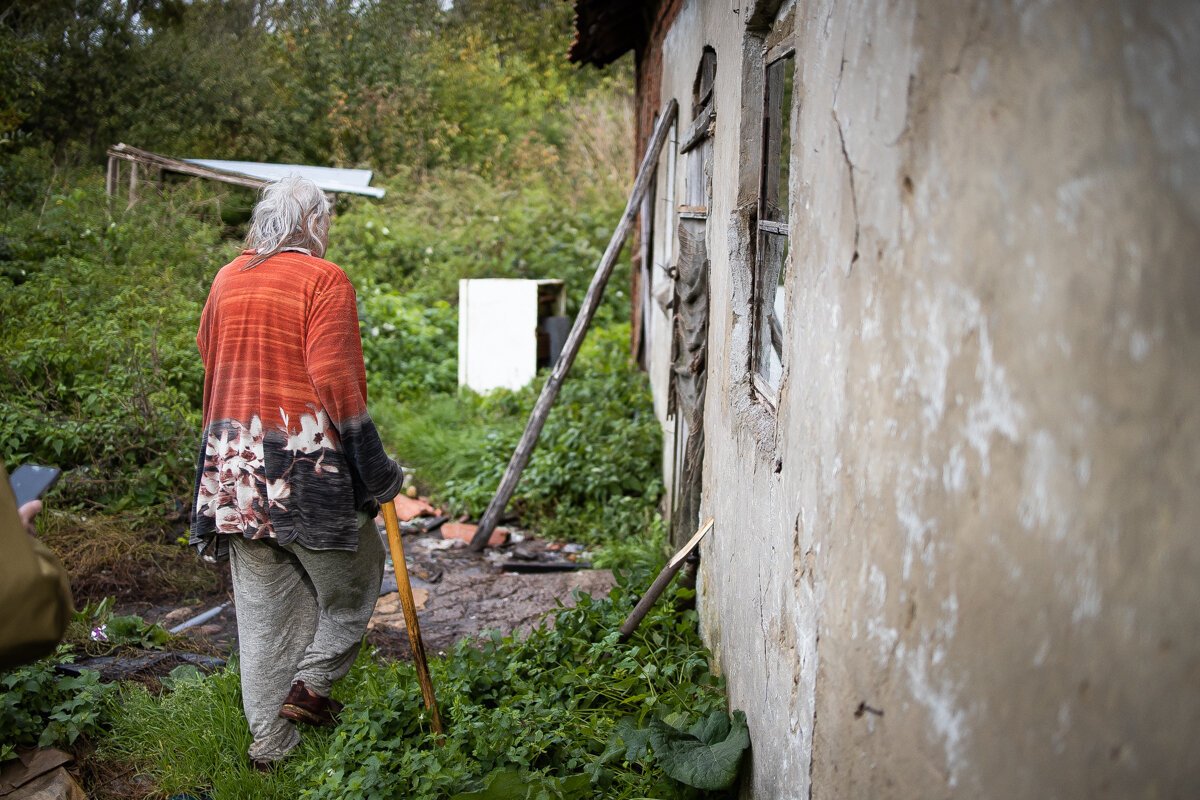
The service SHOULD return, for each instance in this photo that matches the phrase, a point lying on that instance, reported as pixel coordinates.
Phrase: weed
(41, 706)
(567, 711)
(194, 736)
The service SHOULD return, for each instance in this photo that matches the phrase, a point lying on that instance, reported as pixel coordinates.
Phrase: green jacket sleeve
(34, 591)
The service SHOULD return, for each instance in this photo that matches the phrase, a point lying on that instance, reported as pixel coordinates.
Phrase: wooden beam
(591, 301)
(146, 158)
(699, 130)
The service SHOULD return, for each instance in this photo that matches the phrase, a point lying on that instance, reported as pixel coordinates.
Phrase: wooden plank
(661, 582)
(110, 179)
(785, 48)
(699, 130)
(133, 185)
(587, 310)
(127, 153)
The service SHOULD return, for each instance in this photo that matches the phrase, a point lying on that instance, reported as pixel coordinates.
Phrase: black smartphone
(31, 481)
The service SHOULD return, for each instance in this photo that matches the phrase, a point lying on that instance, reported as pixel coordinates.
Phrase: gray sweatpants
(301, 615)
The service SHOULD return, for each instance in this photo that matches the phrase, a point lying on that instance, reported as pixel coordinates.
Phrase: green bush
(430, 232)
(100, 373)
(545, 708)
(42, 707)
(410, 349)
(594, 474)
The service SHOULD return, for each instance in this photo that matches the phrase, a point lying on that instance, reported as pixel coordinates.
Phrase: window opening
(773, 242)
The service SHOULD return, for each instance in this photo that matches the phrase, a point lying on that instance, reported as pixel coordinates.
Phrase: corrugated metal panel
(331, 179)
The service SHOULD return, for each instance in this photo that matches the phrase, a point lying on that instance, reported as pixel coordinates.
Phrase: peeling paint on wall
(973, 510)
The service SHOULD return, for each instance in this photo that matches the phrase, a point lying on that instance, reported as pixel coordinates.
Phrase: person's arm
(34, 591)
(333, 356)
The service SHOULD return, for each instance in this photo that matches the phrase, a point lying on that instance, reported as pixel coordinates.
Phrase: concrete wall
(963, 558)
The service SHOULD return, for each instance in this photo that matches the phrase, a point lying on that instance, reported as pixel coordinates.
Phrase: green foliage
(593, 476)
(517, 785)
(195, 736)
(410, 349)
(99, 372)
(96, 630)
(382, 83)
(542, 708)
(567, 712)
(40, 706)
(706, 755)
(427, 234)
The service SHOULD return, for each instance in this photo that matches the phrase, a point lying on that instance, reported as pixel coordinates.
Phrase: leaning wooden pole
(661, 582)
(591, 301)
(404, 587)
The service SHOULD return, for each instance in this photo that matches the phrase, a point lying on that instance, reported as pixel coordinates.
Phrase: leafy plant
(95, 630)
(566, 712)
(593, 476)
(707, 755)
(534, 717)
(517, 785)
(40, 706)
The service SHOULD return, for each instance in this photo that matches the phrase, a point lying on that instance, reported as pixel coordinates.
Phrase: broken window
(770, 268)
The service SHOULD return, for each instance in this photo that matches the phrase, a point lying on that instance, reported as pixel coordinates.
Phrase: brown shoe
(304, 705)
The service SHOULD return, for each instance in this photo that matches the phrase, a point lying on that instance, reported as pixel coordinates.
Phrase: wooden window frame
(778, 46)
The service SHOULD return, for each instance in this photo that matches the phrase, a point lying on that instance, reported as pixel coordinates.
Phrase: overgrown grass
(568, 710)
(195, 737)
(126, 556)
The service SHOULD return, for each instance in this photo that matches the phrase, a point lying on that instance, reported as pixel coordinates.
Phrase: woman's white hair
(291, 212)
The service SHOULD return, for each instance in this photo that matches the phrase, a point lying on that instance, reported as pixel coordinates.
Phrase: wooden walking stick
(410, 614)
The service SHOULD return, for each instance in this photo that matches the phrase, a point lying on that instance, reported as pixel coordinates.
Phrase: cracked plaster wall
(961, 560)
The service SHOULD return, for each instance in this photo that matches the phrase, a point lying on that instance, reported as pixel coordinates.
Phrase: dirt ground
(458, 594)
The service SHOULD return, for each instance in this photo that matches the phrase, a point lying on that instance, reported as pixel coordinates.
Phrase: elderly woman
(291, 469)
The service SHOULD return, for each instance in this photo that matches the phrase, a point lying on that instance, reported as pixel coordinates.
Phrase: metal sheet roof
(331, 179)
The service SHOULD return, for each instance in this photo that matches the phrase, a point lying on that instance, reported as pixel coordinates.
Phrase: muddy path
(458, 593)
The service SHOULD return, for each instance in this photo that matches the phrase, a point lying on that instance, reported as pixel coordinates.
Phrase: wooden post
(591, 302)
(133, 184)
(404, 588)
(110, 180)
